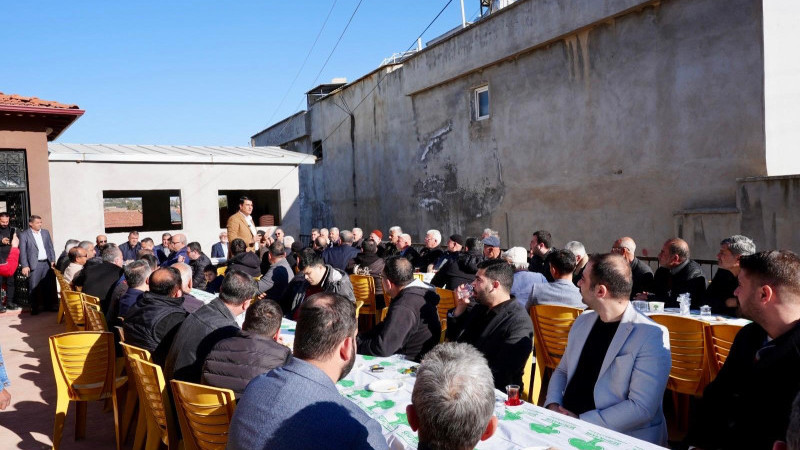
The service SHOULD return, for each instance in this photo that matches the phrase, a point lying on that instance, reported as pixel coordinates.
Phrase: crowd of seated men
(614, 370)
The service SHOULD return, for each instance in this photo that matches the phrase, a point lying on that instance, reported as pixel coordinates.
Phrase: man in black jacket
(677, 275)
(208, 325)
(541, 245)
(640, 270)
(198, 262)
(749, 403)
(411, 327)
(101, 279)
(455, 273)
(153, 321)
(497, 325)
(430, 253)
(234, 361)
(339, 255)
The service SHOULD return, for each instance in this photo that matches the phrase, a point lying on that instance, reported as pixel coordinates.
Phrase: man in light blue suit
(37, 258)
(617, 362)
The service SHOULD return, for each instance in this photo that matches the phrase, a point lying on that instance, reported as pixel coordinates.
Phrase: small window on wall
(142, 210)
(316, 150)
(481, 103)
(266, 205)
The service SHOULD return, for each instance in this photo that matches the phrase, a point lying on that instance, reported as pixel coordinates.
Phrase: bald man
(642, 273)
(678, 275)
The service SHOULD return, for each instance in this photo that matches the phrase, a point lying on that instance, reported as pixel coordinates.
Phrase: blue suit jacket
(339, 256)
(29, 251)
(216, 250)
(298, 407)
(630, 387)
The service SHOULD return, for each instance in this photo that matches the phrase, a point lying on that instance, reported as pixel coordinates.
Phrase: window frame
(476, 93)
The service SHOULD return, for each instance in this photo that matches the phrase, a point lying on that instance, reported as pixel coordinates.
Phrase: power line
(326, 60)
(302, 66)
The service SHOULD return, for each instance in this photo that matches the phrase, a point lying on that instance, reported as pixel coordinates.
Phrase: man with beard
(496, 325)
(297, 406)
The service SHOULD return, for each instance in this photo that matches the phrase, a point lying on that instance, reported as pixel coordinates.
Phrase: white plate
(385, 386)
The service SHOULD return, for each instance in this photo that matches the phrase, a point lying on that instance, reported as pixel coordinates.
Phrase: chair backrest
(719, 339)
(94, 318)
(419, 276)
(83, 363)
(447, 301)
(364, 290)
(204, 414)
(551, 325)
(153, 397)
(689, 372)
(73, 310)
(132, 350)
(90, 299)
(359, 304)
(222, 270)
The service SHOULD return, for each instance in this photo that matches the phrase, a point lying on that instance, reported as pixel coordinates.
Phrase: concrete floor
(28, 422)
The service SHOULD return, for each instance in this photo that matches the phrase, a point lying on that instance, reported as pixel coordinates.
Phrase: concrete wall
(770, 209)
(35, 145)
(77, 201)
(608, 118)
(781, 89)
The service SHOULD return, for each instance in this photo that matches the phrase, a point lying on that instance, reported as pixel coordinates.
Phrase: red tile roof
(18, 100)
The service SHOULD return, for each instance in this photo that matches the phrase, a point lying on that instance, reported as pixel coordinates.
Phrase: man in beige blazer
(241, 225)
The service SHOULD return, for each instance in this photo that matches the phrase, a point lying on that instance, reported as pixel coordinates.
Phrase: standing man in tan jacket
(241, 226)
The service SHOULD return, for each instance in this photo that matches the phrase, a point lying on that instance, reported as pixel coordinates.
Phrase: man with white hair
(642, 273)
(220, 249)
(390, 248)
(101, 279)
(335, 237)
(190, 302)
(452, 404)
(581, 258)
(405, 249)
(431, 252)
(524, 280)
(358, 237)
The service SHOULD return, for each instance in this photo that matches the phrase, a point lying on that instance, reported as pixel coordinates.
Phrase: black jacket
(539, 264)
(720, 289)
(504, 334)
(234, 361)
(198, 334)
(99, 280)
(247, 262)
(411, 327)
(427, 256)
(152, 323)
(642, 277)
(198, 275)
(749, 404)
(339, 256)
(689, 279)
(61, 264)
(371, 261)
(276, 280)
(458, 272)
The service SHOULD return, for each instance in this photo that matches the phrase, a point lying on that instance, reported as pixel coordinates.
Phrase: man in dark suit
(497, 325)
(130, 249)
(338, 256)
(162, 250)
(677, 275)
(220, 249)
(641, 271)
(101, 279)
(37, 258)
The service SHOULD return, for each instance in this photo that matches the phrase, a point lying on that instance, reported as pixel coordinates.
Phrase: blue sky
(201, 72)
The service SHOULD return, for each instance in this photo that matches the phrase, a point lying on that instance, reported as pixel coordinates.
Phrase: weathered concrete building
(592, 119)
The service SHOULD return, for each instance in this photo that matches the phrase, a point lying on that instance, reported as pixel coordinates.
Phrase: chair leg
(131, 398)
(141, 429)
(538, 380)
(60, 315)
(80, 419)
(62, 403)
(116, 419)
(153, 437)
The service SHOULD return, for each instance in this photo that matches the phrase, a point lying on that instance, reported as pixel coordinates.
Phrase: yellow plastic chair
(527, 378)
(83, 364)
(90, 299)
(204, 414)
(221, 270)
(93, 317)
(447, 301)
(62, 286)
(359, 304)
(73, 310)
(689, 373)
(551, 325)
(364, 290)
(419, 276)
(719, 339)
(153, 398)
(133, 397)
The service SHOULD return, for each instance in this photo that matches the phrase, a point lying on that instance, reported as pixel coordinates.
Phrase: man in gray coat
(274, 282)
(37, 258)
(617, 362)
(208, 325)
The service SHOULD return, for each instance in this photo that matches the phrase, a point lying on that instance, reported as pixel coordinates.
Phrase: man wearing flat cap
(491, 247)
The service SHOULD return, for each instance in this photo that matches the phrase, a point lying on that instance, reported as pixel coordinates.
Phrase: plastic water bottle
(685, 302)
